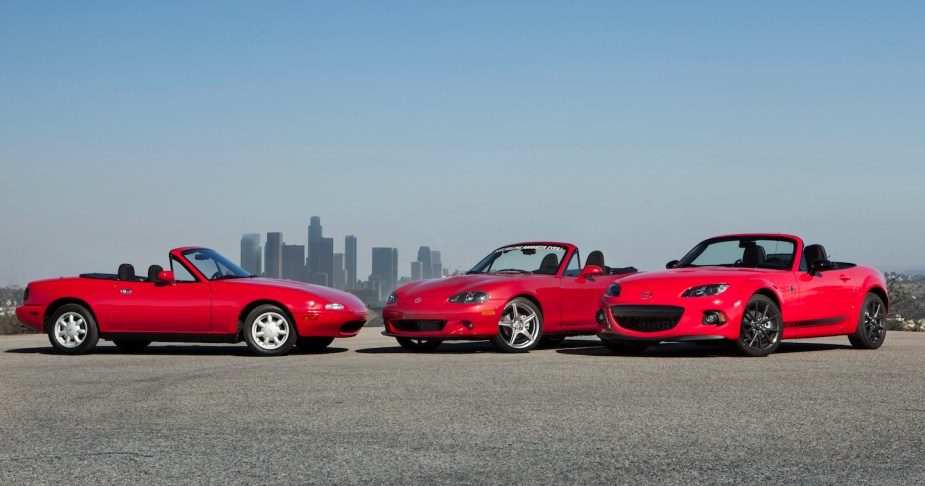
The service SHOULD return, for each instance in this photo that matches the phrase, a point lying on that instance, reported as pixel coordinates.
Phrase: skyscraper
(436, 265)
(250, 253)
(338, 281)
(350, 260)
(426, 264)
(294, 263)
(314, 229)
(416, 270)
(274, 255)
(385, 269)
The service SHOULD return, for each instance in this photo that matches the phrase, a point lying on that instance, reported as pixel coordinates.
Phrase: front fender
(764, 286)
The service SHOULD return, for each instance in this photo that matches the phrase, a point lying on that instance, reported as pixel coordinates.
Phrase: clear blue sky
(129, 128)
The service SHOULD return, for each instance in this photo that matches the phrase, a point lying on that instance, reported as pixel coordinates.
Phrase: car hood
(447, 287)
(676, 280)
(326, 294)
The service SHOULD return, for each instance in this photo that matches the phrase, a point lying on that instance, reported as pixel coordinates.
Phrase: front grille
(647, 318)
(418, 325)
(352, 326)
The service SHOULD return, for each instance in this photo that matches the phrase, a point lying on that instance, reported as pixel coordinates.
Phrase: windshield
(543, 259)
(213, 265)
(766, 252)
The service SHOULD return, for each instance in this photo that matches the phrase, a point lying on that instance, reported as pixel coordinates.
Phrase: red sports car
(750, 289)
(204, 297)
(515, 297)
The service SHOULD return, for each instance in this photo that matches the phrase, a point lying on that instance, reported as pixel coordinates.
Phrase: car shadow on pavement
(177, 350)
(693, 350)
(472, 347)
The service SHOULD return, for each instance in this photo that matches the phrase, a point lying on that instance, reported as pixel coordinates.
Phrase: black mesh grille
(418, 326)
(352, 326)
(647, 318)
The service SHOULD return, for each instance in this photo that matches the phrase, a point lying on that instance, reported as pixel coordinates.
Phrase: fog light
(714, 318)
(468, 325)
(599, 316)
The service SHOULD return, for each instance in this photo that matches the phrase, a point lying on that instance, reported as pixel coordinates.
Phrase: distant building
(294, 263)
(350, 260)
(438, 270)
(273, 261)
(339, 277)
(385, 270)
(416, 268)
(251, 253)
(424, 256)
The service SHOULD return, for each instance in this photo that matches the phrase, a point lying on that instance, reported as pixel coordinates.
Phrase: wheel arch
(879, 292)
(242, 316)
(63, 301)
(532, 298)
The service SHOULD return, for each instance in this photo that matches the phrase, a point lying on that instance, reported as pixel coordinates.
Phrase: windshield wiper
(226, 277)
(511, 270)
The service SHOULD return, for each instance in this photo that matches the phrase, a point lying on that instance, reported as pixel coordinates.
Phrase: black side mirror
(821, 265)
(671, 264)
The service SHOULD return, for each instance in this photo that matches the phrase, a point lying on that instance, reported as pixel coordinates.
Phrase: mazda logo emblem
(645, 295)
(417, 300)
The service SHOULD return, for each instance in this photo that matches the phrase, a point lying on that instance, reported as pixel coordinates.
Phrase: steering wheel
(216, 275)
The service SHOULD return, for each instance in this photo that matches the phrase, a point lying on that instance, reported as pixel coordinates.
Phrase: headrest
(596, 257)
(127, 272)
(153, 272)
(753, 256)
(813, 253)
(550, 264)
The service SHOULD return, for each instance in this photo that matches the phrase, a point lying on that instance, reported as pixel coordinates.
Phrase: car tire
(268, 331)
(419, 345)
(871, 330)
(72, 330)
(520, 328)
(761, 328)
(313, 344)
(131, 346)
(626, 348)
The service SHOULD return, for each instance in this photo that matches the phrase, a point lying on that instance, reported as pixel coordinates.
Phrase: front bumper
(689, 327)
(455, 321)
(31, 316)
(338, 324)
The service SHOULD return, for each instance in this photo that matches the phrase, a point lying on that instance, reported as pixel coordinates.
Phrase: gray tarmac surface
(816, 412)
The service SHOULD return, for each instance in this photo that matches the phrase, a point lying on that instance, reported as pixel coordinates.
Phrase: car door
(825, 296)
(580, 295)
(181, 307)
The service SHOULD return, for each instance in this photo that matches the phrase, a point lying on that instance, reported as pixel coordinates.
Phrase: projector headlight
(705, 290)
(393, 298)
(476, 297)
(613, 290)
(334, 307)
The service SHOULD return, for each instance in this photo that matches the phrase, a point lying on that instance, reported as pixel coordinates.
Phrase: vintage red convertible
(204, 297)
(516, 296)
(750, 289)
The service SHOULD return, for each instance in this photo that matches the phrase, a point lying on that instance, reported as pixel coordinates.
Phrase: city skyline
(634, 129)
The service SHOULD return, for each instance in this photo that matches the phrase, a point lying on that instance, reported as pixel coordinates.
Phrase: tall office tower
(340, 275)
(394, 280)
(314, 229)
(350, 260)
(314, 236)
(384, 270)
(426, 263)
(416, 270)
(294, 263)
(250, 253)
(436, 265)
(273, 261)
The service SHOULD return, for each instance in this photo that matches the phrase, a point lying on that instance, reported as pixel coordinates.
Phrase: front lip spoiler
(679, 339)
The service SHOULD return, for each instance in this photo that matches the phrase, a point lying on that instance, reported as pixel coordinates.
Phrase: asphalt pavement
(366, 411)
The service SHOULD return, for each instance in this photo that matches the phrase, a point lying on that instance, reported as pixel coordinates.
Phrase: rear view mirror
(590, 271)
(166, 276)
(671, 264)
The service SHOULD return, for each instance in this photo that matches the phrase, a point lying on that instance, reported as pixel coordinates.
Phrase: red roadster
(203, 298)
(752, 290)
(516, 296)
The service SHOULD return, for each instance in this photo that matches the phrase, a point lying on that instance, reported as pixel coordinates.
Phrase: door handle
(125, 291)
(844, 278)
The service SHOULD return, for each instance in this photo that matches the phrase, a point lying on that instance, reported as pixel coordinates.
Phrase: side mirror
(671, 264)
(821, 265)
(166, 276)
(590, 271)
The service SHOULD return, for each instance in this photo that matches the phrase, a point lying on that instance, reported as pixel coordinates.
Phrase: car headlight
(470, 298)
(334, 307)
(393, 298)
(705, 290)
(613, 290)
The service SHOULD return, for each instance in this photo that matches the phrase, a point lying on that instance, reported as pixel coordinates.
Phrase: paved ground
(365, 411)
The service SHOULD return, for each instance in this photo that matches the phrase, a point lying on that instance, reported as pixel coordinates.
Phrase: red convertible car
(204, 298)
(516, 296)
(750, 289)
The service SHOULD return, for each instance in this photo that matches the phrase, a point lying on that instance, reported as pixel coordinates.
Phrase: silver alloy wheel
(760, 326)
(519, 326)
(70, 329)
(873, 321)
(270, 330)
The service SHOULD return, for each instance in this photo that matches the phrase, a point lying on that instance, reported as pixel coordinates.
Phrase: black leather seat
(753, 256)
(127, 273)
(549, 265)
(153, 272)
(813, 253)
